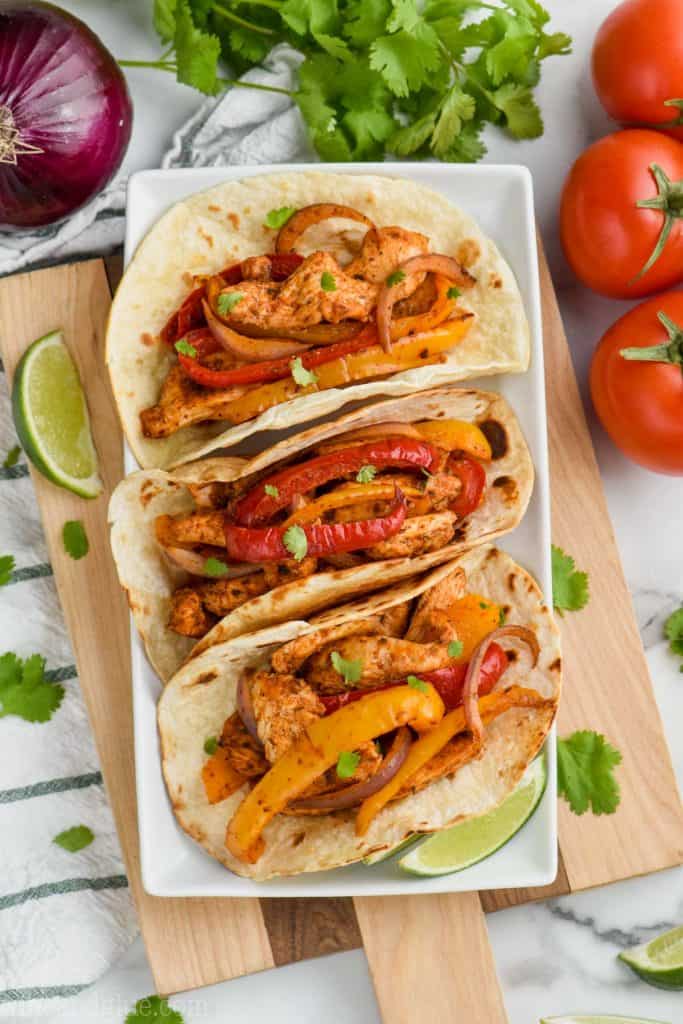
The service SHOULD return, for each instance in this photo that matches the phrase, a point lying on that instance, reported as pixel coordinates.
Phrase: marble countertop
(556, 957)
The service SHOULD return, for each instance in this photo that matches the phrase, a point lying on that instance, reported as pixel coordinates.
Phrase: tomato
(608, 238)
(638, 63)
(640, 404)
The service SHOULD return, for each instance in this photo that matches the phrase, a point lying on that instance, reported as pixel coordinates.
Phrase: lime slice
(599, 1018)
(466, 844)
(377, 858)
(51, 416)
(659, 962)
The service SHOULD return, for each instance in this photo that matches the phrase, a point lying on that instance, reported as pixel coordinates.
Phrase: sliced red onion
(195, 563)
(352, 795)
(470, 690)
(250, 350)
(304, 218)
(245, 707)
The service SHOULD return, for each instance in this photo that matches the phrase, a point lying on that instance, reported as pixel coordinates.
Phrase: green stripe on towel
(13, 472)
(39, 892)
(30, 572)
(14, 995)
(9, 796)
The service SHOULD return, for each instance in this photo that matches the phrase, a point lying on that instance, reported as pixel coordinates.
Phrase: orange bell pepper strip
(440, 310)
(219, 777)
(349, 494)
(318, 749)
(456, 435)
(415, 350)
(473, 617)
(424, 749)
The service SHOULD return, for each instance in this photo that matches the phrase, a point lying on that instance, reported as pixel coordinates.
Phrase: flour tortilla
(209, 230)
(198, 699)
(150, 580)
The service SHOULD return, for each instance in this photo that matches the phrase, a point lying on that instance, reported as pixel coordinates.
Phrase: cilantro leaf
(327, 282)
(417, 684)
(227, 301)
(455, 648)
(366, 474)
(154, 1010)
(12, 457)
(271, 491)
(296, 542)
(278, 218)
(365, 20)
(350, 669)
(457, 108)
(570, 587)
(585, 770)
(405, 58)
(75, 839)
(24, 691)
(310, 16)
(453, 292)
(185, 348)
(75, 539)
(413, 136)
(6, 569)
(164, 19)
(303, 377)
(522, 117)
(197, 52)
(347, 762)
(215, 567)
(248, 45)
(673, 631)
(210, 745)
(396, 278)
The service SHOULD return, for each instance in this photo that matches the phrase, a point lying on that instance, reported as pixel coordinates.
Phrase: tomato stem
(670, 352)
(669, 200)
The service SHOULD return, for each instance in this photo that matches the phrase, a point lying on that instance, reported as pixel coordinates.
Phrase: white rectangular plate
(500, 198)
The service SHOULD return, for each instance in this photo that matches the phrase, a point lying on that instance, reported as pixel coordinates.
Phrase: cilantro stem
(461, 69)
(273, 4)
(235, 82)
(255, 85)
(161, 65)
(231, 16)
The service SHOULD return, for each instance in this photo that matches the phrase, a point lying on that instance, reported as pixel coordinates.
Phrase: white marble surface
(553, 958)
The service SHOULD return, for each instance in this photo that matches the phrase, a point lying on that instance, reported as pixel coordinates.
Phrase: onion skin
(470, 690)
(67, 98)
(352, 795)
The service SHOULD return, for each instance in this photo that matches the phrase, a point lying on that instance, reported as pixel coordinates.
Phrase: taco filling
(356, 716)
(385, 491)
(279, 324)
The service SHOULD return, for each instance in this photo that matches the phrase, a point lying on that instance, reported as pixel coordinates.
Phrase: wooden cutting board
(412, 942)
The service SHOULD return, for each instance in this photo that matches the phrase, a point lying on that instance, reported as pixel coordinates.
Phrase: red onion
(245, 707)
(472, 682)
(352, 795)
(195, 563)
(65, 114)
(250, 350)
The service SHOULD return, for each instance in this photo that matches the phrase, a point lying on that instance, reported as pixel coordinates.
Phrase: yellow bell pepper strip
(440, 310)
(220, 778)
(318, 749)
(456, 435)
(415, 350)
(424, 749)
(349, 494)
(473, 617)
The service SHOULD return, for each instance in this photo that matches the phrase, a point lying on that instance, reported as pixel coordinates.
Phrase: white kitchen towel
(65, 917)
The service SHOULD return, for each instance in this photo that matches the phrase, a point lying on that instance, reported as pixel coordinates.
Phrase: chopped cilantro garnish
(24, 691)
(154, 1010)
(396, 278)
(215, 567)
(303, 377)
(6, 569)
(570, 587)
(455, 649)
(271, 491)
(75, 838)
(296, 542)
(210, 745)
(502, 616)
(585, 773)
(673, 631)
(483, 605)
(417, 684)
(12, 457)
(351, 669)
(347, 762)
(75, 539)
(276, 219)
(327, 282)
(227, 301)
(366, 474)
(453, 292)
(183, 346)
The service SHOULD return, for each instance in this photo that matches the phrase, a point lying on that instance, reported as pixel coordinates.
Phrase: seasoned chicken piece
(182, 402)
(430, 622)
(256, 268)
(383, 660)
(394, 621)
(385, 249)
(188, 616)
(212, 495)
(277, 573)
(441, 490)
(283, 707)
(244, 753)
(417, 536)
(291, 656)
(458, 752)
(301, 300)
(187, 531)
(329, 782)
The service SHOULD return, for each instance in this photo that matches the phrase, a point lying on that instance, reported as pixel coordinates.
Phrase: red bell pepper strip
(249, 544)
(190, 316)
(448, 682)
(401, 452)
(472, 476)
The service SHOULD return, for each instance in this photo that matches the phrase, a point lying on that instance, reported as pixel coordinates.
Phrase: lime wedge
(660, 961)
(593, 1018)
(377, 858)
(51, 416)
(466, 844)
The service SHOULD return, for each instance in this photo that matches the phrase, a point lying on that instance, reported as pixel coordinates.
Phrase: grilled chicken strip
(182, 402)
(383, 658)
(417, 536)
(291, 656)
(244, 753)
(283, 707)
(385, 249)
(430, 622)
(194, 609)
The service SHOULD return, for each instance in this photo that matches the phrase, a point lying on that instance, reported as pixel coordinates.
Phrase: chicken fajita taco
(224, 325)
(226, 546)
(310, 745)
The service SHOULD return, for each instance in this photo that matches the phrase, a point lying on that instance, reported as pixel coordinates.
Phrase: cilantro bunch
(408, 77)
